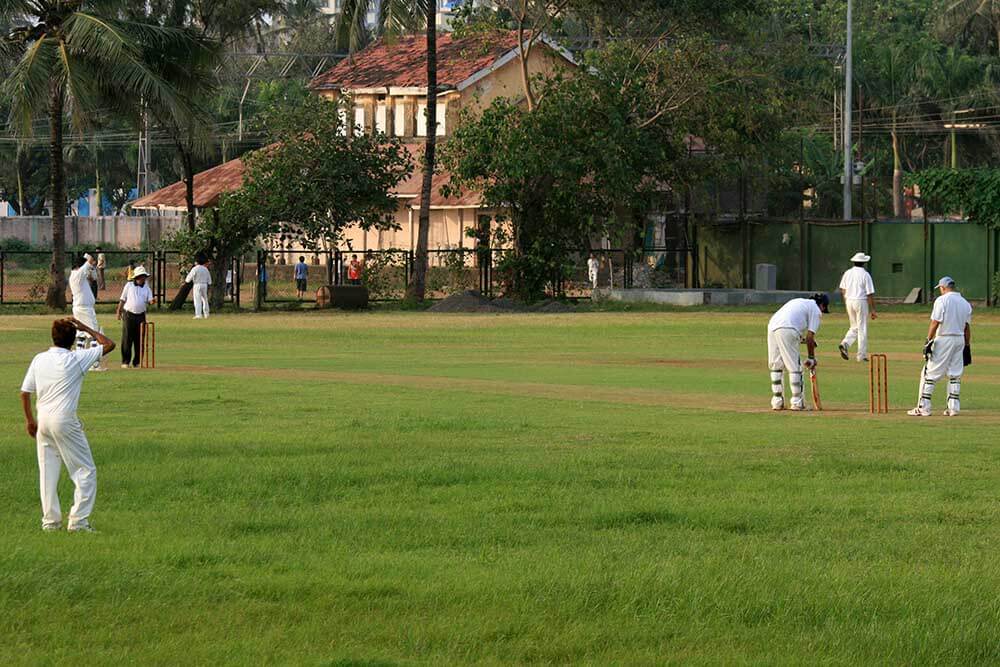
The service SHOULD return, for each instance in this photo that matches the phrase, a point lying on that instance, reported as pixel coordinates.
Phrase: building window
(442, 112)
(380, 118)
(399, 119)
(421, 120)
(359, 119)
(897, 267)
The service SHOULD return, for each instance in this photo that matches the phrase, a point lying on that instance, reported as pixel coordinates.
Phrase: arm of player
(811, 349)
(30, 425)
(101, 339)
(871, 306)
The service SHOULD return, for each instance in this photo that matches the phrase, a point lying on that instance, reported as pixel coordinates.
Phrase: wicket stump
(878, 383)
(147, 346)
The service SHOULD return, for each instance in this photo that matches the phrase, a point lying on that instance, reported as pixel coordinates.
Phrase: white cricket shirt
(56, 378)
(199, 275)
(593, 264)
(857, 283)
(136, 298)
(953, 312)
(83, 295)
(799, 314)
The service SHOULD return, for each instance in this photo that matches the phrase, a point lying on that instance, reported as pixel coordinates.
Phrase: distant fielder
(797, 320)
(201, 278)
(948, 349)
(859, 297)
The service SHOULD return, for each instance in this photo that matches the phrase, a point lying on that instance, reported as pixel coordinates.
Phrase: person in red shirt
(354, 269)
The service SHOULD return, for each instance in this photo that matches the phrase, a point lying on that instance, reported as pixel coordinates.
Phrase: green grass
(600, 488)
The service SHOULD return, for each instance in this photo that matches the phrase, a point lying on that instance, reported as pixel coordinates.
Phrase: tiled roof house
(383, 88)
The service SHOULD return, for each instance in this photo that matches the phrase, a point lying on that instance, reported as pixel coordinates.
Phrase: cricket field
(592, 488)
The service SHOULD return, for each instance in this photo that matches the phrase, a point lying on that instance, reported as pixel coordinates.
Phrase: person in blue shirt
(301, 277)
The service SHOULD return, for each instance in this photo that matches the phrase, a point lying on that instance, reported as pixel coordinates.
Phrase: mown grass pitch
(601, 488)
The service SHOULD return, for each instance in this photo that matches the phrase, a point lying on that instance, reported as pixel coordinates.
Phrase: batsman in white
(948, 349)
(858, 289)
(56, 378)
(797, 320)
(201, 278)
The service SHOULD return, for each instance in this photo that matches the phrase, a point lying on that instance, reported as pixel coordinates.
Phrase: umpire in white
(55, 377)
(948, 349)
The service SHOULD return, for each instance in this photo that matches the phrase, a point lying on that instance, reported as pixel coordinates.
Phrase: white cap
(947, 281)
(140, 271)
(861, 257)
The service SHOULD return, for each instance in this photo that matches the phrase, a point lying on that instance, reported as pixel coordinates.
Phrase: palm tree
(963, 15)
(955, 79)
(81, 57)
(396, 16)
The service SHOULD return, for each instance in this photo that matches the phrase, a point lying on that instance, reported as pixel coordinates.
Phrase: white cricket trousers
(592, 274)
(783, 355)
(200, 293)
(62, 441)
(946, 360)
(86, 315)
(857, 313)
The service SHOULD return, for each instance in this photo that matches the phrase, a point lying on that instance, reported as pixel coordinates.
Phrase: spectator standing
(136, 298)
(593, 265)
(301, 277)
(200, 277)
(354, 271)
(102, 264)
(229, 283)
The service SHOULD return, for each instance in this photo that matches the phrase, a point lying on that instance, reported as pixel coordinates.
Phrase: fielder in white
(201, 278)
(56, 378)
(797, 320)
(84, 300)
(859, 297)
(948, 349)
(593, 266)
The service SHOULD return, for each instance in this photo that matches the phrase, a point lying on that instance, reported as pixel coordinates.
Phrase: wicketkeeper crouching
(797, 320)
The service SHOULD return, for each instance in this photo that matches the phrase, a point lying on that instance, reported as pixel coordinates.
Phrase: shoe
(862, 360)
(98, 369)
(779, 408)
(917, 412)
(126, 366)
(53, 527)
(843, 352)
(798, 408)
(950, 413)
(85, 528)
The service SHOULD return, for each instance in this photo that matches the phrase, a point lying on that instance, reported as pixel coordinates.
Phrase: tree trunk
(897, 177)
(188, 163)
(217, 291)
(523, 54)
(418, 278)
(56, 297)
(19, 158)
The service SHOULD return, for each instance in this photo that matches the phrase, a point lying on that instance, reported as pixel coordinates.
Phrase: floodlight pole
(847, 113)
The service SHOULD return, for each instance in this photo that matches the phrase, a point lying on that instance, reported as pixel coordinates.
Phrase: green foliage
(972, 192)
(384, 274)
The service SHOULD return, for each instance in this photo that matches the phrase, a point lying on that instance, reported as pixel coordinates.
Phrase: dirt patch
(469, 301)
(552, 306)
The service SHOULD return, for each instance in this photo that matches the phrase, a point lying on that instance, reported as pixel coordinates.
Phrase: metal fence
(268, 277)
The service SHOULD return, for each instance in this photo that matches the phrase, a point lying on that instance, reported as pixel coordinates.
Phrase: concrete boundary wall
(126, 231)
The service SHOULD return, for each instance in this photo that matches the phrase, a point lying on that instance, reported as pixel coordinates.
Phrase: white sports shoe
(950, 413)
(917, 412)
(798, 408)
(85, 528)
(52, 527)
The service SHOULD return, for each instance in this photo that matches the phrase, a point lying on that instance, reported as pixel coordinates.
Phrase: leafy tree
(395, 16)
(80, 56)
(311, 184)
(977, 19)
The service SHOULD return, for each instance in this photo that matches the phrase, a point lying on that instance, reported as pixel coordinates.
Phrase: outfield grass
(599, 488)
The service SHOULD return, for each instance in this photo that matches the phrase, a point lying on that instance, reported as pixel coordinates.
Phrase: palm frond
(29, 84)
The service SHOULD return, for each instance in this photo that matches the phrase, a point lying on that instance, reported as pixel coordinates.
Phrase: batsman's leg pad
(777, 389)
(926, 392)
(795, 379)
(954, 392)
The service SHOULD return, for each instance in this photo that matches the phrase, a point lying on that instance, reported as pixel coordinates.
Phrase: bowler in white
(947, 350)
(200, 277)
(797, 320)
(859, 297)
(55, 377)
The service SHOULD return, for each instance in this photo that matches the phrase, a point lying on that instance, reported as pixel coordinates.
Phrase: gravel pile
(472, 301)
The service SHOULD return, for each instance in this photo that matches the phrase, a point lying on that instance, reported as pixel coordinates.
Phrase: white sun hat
(140, 271)
(861, 257)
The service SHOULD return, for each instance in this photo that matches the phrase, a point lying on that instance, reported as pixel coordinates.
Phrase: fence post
(329, 267)
(3, 261)
(236, 267)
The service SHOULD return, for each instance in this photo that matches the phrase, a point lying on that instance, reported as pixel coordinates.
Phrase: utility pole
(142, 170)
(848, 111)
